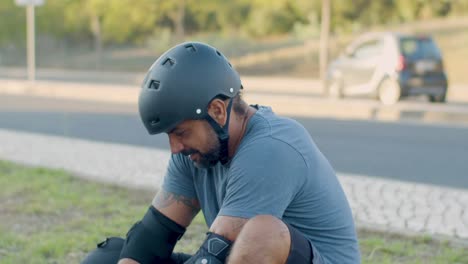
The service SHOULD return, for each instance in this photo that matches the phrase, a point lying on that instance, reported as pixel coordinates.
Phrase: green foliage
(127, 21)
(12, 23)
(273, 17)
(120, 21)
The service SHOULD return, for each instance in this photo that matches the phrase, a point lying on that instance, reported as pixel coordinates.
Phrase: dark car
(389, 66)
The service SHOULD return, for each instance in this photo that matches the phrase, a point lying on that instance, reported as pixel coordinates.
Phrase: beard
(209, 158)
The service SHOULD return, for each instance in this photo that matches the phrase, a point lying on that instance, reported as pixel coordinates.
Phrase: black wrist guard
(152, 239)
(179, 258)
(214, 250)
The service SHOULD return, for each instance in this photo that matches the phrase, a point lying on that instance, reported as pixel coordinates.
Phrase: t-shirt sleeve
(179, 177)
(264, 178)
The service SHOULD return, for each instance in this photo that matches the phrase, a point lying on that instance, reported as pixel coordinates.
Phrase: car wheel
(389, 92)
(335, 88)
(438, 98)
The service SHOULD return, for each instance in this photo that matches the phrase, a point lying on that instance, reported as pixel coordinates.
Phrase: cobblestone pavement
(378, 204)
(401, 207)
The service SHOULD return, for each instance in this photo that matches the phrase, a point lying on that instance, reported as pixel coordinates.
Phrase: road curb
(293, 104)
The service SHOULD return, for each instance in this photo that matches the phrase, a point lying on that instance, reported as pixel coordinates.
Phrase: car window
(368, 49)
(419, 48)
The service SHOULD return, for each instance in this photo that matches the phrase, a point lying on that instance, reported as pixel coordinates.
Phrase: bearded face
(198, 141)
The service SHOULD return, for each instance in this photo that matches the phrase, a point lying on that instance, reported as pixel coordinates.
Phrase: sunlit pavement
(297, 102)
(377, 204)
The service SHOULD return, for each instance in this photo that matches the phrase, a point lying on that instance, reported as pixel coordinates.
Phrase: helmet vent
(168, 62)
(229, 64)
(190, 47)
(219, 53)
(155, 122)
(154, 85)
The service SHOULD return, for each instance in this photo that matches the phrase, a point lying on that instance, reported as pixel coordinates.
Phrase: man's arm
(228, 226)
(177, 208)
(217, 245)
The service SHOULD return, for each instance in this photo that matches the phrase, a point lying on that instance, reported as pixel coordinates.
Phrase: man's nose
(176, 144)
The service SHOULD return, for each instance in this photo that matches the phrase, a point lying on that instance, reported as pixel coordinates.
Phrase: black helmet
(182, 82)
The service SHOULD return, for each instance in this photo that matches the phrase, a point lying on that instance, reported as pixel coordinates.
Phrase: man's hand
(176, 258)
(127, 261)
(218, 242)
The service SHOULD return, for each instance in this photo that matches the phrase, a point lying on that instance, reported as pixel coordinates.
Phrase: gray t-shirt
(277, 170)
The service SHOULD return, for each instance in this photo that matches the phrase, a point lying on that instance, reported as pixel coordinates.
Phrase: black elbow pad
(152, 239)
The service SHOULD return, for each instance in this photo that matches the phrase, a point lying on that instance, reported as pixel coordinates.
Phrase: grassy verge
(48, 216)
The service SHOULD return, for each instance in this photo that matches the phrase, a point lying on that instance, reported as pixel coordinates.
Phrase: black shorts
(302, 251)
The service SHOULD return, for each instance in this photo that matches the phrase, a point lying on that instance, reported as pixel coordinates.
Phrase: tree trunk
(179, 21)
(324, 41)
(96, 29)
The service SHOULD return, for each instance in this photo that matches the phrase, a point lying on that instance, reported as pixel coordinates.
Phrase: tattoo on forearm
(164, 199)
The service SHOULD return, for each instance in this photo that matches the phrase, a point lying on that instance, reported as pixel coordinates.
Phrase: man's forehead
(183, 125)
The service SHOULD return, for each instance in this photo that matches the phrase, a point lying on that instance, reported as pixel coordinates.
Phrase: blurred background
(274, 38)
(381, 86)
(91, 56)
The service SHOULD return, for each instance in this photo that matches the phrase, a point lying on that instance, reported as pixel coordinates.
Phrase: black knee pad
(107, 252)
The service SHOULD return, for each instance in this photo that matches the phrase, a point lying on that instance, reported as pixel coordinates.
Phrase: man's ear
(217, 111)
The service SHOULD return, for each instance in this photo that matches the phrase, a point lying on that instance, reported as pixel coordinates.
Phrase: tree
(273, 17)
(458, 7)
(324, 37)
(128, 21)
(13, 25)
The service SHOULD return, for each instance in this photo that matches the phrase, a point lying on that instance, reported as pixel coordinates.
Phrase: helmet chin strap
(223, 134)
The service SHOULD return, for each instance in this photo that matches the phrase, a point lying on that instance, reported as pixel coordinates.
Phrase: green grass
(48, 216)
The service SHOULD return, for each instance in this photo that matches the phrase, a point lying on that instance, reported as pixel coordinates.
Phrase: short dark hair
(238, 104)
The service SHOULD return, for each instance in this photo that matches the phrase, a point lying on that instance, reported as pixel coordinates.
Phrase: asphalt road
(423, 153)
